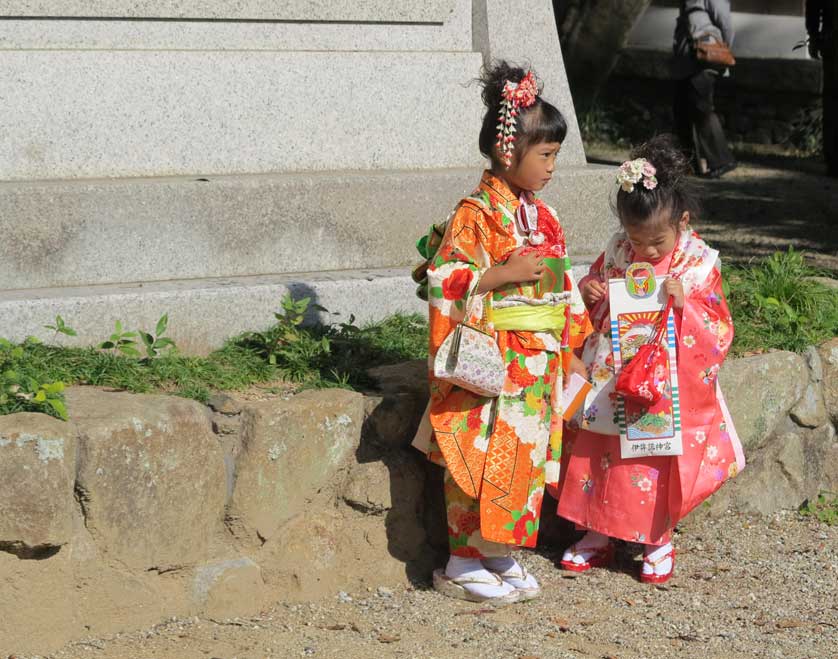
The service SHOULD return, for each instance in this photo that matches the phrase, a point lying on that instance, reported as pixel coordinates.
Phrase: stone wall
(143, 507)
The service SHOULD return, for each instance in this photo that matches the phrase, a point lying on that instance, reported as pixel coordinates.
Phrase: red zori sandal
(655, 577)
(599, 557)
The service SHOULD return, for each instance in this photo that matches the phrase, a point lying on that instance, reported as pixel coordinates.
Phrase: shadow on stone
(415, 517)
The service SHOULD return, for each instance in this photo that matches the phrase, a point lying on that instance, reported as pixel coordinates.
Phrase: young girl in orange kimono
(641, 499)
(507, 249)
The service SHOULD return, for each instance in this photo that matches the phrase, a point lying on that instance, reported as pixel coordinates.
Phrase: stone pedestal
(155, 158)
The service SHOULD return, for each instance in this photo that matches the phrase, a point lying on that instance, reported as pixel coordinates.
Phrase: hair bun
(493, 79)
(666, 157)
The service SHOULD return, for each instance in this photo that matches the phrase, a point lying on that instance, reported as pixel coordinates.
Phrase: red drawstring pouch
(636, 381)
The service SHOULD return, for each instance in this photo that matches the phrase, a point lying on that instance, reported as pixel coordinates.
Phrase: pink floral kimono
(641, 499)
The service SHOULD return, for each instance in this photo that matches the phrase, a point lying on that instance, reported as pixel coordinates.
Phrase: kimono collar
(498, 192)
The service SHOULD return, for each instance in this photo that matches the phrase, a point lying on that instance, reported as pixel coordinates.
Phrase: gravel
(744, 587)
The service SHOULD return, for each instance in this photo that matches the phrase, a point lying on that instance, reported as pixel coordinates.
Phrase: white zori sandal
(467, 579)
(515, 574)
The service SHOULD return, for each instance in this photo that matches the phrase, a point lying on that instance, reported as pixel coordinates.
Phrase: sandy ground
(743, 588)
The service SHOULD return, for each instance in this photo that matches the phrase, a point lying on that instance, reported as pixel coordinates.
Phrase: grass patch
(33, 374)
(824, 508)
(775, 305)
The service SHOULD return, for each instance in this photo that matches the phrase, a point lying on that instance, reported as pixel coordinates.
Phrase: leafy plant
(776, 304)
(121, 341)
(298, 353)
(33, 374)
(60, 328)
(21, 389)
(599, 124)
(155, 343)
(824, 508)
(807, 131)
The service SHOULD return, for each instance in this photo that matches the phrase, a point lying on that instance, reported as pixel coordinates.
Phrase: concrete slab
(74, 233)
(427, 11)
(204, 313)
(454, 34)
(88, 114)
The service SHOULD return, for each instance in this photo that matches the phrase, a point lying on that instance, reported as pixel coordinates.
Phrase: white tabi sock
(508, 569)
(654, 553)
(588, 546)
(472, 568)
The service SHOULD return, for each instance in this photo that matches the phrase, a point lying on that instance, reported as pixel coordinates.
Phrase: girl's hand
(576, 366)
(520, 268)
(592, 292)
(675, 288)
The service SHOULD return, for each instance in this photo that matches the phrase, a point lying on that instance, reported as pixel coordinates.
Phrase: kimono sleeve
(706, 331)
(455, 272)
(580, 323)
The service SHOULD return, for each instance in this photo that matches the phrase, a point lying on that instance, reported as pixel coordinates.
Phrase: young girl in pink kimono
(641, 499)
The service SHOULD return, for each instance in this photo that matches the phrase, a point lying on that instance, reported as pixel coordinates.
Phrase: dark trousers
(830, 106)
(696, 122)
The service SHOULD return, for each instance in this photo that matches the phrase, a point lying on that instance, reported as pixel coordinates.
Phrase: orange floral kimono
(499, 453)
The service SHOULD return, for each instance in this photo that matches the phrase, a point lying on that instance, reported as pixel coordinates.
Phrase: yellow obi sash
(528, 318)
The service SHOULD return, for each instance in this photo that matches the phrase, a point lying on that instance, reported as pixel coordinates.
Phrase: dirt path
(744, 588)
(770, 202)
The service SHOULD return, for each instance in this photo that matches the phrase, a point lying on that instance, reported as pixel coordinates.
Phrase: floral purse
(470, 358)
(635, 380)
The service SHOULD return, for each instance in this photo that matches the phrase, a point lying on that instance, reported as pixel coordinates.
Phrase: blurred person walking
(822, 28)
(703, 26)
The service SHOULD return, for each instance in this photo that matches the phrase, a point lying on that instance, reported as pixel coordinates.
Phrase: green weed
(33, 375)
(824, 508)
(775, 305)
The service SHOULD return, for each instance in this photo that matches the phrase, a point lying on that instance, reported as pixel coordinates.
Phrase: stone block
(150, 477)
(582, 198)
(229, 589)
(79, 233)
(448, 32)
(204, 313)
(291, 449)
(367, 488)
(761, 390)
(428, 11)
(828, 352)
(795, 465)
(37, 472)
(393, 413)
(810, 411)
(172, 112)
(56, 233)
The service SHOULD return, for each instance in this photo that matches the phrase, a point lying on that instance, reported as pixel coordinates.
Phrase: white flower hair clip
(633, 171)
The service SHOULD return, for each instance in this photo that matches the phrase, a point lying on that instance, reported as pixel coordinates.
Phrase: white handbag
(470, 358)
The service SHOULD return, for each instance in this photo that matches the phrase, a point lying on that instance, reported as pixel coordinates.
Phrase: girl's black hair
(675, 193)
(541, 122)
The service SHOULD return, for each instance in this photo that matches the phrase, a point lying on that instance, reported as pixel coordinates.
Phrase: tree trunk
(592, 32)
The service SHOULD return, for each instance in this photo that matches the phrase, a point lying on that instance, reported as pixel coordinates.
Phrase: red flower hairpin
(516, 95)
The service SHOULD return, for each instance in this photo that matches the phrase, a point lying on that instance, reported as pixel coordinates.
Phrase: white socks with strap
(590, 544)
(471, 575)
(657, 560)
(508, 569)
